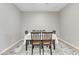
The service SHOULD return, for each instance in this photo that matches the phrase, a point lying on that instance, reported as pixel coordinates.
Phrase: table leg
(26, 45)
(54, 44)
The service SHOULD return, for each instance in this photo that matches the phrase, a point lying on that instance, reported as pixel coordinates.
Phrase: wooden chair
(36, 40)
(46, 40)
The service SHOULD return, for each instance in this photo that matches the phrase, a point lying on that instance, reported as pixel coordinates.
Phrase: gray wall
(69, 17)
(9, 25)
(40, 21)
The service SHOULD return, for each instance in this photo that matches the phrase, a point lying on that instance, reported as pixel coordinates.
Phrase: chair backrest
(46, 35)
(36, 35)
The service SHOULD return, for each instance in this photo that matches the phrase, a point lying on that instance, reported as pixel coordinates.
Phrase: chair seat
(36, 42)
(46, 42)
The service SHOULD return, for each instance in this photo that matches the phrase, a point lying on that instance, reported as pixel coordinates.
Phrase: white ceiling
(40, 6)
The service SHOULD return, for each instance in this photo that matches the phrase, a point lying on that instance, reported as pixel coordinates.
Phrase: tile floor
(61, 49)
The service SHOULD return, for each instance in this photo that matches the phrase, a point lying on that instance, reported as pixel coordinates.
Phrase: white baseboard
(69, 44)
(10, 47)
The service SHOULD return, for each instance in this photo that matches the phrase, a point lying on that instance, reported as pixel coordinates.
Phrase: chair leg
(32, 51)
(40, 49)
(54, 46)
(49, 47)
(42, 46)
(50, 50)
(43, 50)
(33, 47)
